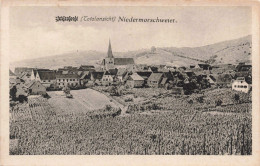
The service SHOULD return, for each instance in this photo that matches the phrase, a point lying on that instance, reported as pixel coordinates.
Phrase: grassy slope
(232, 51)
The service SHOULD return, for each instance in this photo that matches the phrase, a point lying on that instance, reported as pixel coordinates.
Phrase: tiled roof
(136, 77)
(155, 77)
(47, 75)
(58, 76)
(97, 75)
(124, 61)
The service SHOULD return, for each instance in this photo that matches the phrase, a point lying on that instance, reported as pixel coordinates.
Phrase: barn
(135, 81)
(36, 88)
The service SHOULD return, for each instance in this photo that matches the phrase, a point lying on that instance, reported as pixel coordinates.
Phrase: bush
(218, 102)
(128, 99)
(190, 101)
(237, 98)
(200, 99)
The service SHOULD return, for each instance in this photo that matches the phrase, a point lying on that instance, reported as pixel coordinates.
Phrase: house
(36, 88)
(135, 81)
(204, 66)
(85, 77)
(121, 74)
(153, 69)
(109, 77)
(182, 68)
(96, 77)
(47, 78)
(167, 76)
(21, 90)
(177, 91)
(86, 68)
(243, 67)
(19, 70)
(69, 80)
(170, 68)
(141, 67)
(211, 79)
(241, 85)
(34, 72)
(14, 81)
(26, 76)
(68, 70)
(110, 62)
(155, 79)
(12, 75)
(246, 75)
(145, 75)
(224, 80)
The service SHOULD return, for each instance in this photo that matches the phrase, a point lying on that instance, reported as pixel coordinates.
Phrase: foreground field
(41, 128)
(83, 100)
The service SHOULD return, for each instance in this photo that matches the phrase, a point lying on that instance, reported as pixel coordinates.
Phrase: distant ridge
(231, 51)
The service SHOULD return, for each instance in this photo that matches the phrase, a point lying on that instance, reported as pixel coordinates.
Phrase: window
(70, 79)
(59, 83)
(67, 80)
(235, 86)
(73, 79)
(245, 86)
(43, 80)
(59, 79)
(63, 79)
(49, 80)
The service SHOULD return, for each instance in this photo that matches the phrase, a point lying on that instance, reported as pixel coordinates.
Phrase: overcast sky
(35, 33)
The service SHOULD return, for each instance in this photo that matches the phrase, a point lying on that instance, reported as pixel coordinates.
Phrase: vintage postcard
(130, 83)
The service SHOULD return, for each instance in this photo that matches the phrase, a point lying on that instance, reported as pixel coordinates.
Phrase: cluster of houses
(123, 71)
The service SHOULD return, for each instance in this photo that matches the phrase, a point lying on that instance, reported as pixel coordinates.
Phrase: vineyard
(39, 129)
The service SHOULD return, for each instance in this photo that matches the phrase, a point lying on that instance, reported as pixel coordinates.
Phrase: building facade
(241, 85)
(69, 80)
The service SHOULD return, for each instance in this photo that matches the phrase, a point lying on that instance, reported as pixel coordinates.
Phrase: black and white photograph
(130, 80)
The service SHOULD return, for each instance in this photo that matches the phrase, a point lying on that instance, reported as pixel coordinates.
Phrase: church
(110, 62)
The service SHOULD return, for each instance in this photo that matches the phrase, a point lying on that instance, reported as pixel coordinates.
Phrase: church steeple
(109, 52)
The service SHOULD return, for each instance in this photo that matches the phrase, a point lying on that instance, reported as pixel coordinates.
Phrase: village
(124, 73)
(130, 100)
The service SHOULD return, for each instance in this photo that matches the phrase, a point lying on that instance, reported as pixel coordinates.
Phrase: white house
(241, 85)
(67, 80)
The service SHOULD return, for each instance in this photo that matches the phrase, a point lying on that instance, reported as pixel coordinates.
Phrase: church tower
(109, 61)
(109, 52)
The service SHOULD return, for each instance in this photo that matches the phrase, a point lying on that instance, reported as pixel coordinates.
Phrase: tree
(218, 102)
(12, 92)
(200, 99)
(237, 98)
(66, 90)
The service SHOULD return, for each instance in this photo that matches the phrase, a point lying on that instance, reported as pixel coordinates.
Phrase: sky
(34, 33)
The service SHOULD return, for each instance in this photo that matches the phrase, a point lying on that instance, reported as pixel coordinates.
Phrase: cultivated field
(41, 127)
(83, 100)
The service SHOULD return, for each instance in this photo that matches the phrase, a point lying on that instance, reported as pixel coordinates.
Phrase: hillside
(232, 51)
